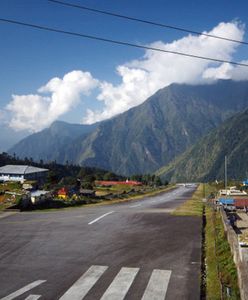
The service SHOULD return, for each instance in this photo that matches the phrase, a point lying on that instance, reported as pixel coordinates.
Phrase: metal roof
(38, 193)
(20, 169)
(226, 201)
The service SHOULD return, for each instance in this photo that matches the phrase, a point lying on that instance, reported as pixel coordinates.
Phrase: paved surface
(134, 250)
(242, 229)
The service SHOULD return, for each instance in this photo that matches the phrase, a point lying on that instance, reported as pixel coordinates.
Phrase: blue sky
(29, 58)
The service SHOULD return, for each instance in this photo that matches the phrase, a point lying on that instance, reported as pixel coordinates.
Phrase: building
(87, 193)
(63, 193)
(237, 202)
(241, 202)
(111, 183)
(21, 173)
(232, 191)
(245, 183)
(39, 196)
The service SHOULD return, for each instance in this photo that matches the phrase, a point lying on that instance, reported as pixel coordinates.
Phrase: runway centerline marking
(23, 290)
(84, 284)
(121, 284)
(99, 218)
(33, 297)
(157, 285)
(136, 205)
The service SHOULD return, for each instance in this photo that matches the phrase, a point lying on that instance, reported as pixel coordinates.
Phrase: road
(132, 250)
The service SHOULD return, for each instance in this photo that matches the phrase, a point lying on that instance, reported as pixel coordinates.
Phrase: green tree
(52, 177)
(110, 176)
(87, 185)
(158, 181)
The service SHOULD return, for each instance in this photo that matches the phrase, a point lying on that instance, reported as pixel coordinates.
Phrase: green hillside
(205, 160)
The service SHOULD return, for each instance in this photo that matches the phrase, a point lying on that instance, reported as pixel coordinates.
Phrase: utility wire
(146, 21)
(119, 42)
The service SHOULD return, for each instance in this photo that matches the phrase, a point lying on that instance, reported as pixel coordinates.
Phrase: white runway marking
(195, 263)
(97, 219)
(157, 285)
(121, 284)
(33, 297)
(23, 290)
(82, 286)
(156, 288)
(132, 206)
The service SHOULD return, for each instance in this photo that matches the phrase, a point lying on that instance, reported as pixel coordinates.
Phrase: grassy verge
(191, 207)
(213, 284)
(219, 273)
(221, 270)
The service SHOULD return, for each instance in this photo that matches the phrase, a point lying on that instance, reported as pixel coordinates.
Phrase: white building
(21, 173)
(38, 196)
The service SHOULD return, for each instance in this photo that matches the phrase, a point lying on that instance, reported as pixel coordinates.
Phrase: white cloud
(143, 77)
(35, 112)
(139, 79)
(227, 71)
(220, 72)
(239, 72)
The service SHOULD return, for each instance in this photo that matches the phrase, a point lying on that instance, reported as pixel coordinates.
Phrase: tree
(158, 181)
(137, 177)
(110, 176)
(87, 185)
(52, 177)
(87, 182)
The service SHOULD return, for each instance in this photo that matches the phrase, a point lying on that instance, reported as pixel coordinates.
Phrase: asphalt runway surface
(132, 250)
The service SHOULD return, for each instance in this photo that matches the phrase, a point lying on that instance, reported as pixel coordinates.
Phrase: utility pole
(226, 173)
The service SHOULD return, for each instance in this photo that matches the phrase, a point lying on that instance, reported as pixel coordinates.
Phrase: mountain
(9, 137)
(148, 136)
(50, 143)
(205, 160)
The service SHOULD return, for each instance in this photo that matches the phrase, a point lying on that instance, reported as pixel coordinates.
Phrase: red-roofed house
(63, 193)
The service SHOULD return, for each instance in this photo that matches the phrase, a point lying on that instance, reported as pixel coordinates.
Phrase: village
(235, 204)
(26, 187)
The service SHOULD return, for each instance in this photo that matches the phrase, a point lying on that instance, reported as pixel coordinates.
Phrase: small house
(226, 201)
(87, 193)
(39, 196)
(63, 193)
(30, 185)
(241, 202)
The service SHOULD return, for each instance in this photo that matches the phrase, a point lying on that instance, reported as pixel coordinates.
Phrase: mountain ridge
(49, 143)
(151, 135)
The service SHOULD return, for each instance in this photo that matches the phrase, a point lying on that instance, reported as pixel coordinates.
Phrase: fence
(241, 263)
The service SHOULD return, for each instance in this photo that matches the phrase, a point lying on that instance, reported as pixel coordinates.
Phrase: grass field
(193, 206)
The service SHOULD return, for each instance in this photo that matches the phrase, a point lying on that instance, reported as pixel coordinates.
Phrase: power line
(119, 42)
(146, 21)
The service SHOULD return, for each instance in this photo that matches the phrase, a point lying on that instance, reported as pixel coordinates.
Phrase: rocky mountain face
(146, 137)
